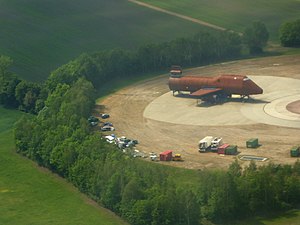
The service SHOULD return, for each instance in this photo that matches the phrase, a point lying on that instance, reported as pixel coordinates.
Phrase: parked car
(104, 116)
(94, 123)
(93, 119)
(110, 138)
(108, 124)
(135, 142)
(153, 156)
(107, 128)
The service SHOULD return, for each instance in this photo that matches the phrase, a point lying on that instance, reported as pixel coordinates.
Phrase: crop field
(31, 195)
(42, 35)
(235, 14)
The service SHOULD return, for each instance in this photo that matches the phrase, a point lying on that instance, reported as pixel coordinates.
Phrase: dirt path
(127, 107)
(201, 22)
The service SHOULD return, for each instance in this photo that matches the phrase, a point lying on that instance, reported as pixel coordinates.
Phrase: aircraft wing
(205, 91)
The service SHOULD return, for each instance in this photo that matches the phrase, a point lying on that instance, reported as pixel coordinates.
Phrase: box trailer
(231, 150)
(252, 143)
(222, 149)
(166, 156)
(295, 151)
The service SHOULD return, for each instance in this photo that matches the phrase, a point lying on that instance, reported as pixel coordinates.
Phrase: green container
(295, 151)
(231, 150)
(252, 143)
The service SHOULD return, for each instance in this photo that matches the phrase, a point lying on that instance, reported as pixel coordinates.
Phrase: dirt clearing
(127, 109)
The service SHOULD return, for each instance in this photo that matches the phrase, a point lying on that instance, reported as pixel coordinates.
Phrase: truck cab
(205, 144)
(215, 143)
(176, 71)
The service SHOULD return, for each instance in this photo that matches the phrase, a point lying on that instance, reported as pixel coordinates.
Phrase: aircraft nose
(254, 88)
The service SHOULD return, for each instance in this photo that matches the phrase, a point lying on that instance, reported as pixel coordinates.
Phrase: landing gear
(214, 99)
(243, 98)
(178, 92)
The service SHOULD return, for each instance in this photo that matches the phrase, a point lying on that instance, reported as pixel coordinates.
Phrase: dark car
(108, 124)
(94, 123)
(93, 119)
(104, 116)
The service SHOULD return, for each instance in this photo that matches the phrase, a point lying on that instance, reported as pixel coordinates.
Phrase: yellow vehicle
(177, 157)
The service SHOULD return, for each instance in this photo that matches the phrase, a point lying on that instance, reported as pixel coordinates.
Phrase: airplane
(214, 89)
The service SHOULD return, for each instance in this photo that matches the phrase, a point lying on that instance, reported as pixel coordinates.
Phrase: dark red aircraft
(214, 88)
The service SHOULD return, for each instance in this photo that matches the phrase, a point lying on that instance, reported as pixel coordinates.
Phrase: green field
(32, 195)
(42, 35)
(236, 14)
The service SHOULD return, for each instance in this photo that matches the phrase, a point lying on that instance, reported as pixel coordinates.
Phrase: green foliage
(256, 37)
(290, 34)
(102, 67)
(8, 83)
(30, 96)
(5, 63)
(16, 93)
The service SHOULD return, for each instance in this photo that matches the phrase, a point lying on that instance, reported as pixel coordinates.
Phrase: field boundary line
(178, 15)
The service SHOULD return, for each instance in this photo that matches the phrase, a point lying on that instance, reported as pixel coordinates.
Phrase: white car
(110, 139)
(107, 128)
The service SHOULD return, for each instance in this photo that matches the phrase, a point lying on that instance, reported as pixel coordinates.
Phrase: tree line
(59, 137)
(101, 67)
(289, 34)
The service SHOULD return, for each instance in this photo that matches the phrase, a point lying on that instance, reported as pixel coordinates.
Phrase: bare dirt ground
(126, 108)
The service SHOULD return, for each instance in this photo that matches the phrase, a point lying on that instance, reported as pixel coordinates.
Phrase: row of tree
(101, 67)
(290, 34)
(17, 93)
(202, 48)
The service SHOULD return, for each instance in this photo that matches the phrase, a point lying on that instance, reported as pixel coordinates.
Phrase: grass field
(42, 35)
(31, 195)
(236, 14)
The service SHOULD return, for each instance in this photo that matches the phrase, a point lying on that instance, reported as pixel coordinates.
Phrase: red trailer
(221, 149)
(165, 156)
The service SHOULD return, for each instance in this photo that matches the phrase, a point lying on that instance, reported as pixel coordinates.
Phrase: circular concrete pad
(268, 108)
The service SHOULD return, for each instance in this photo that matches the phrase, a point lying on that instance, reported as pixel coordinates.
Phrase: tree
(27, 94)
(8, 83)
(289, 34)
(5, 63)
(256, 37)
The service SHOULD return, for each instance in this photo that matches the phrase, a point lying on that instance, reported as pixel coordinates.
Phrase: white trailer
(205, 143)
(215, 143)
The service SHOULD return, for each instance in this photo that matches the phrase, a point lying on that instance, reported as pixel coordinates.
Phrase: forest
(58, 136)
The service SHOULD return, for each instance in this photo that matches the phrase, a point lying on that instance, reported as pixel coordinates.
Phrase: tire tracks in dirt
(201, 22)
